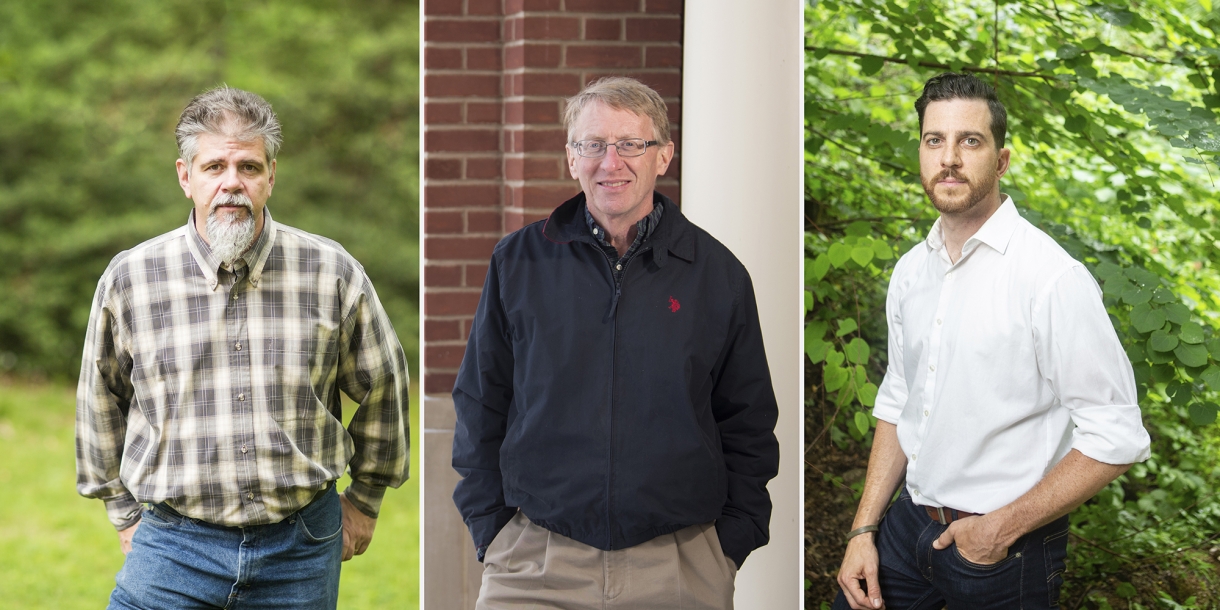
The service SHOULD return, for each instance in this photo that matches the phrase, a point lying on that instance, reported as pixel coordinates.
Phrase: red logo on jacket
(674, 305)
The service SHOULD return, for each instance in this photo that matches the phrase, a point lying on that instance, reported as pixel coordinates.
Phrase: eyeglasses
(631, 147)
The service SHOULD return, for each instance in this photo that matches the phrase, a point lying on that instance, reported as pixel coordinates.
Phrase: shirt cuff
(366, 498)
(123, 510)
(1111, 434)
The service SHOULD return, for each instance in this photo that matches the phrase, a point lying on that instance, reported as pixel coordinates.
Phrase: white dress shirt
(999, 365)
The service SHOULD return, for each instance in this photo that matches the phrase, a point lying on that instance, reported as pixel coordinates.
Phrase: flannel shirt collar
(643, 227)
(255, 258)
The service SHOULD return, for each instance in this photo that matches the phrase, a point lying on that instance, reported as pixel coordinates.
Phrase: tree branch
(859, 152)
(933, 64)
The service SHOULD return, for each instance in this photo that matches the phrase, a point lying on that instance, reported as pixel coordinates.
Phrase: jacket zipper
(618, 289)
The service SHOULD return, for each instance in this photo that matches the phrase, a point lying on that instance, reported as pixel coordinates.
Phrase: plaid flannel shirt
(216, 389)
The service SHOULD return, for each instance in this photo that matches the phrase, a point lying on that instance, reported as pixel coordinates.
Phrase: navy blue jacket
(615, 416)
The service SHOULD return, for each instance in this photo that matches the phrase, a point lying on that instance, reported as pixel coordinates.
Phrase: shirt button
(243, 448)
(915, 491)
(932, 367)
(939, 321)
(238, 346)
(912, 457)
(234, 297)
(249, 496)
(618, 267)
(595, 230)
(925, 412)
(241, 397)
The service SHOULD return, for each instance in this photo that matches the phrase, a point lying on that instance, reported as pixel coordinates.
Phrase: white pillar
(742, 182)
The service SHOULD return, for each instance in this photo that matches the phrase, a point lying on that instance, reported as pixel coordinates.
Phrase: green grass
(57, 550)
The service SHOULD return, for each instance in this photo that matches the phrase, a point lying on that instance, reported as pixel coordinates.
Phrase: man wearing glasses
(615, 415)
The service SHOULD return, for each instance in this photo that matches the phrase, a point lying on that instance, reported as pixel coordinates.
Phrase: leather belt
(945, 516)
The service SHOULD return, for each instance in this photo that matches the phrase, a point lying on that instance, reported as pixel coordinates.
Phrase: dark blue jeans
(179, 562)
(916, 576)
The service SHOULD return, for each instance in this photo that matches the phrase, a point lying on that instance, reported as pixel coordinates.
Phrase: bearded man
(1007, 402)
(209, 389)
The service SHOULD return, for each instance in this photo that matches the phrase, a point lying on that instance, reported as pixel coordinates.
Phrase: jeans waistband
(166, 508)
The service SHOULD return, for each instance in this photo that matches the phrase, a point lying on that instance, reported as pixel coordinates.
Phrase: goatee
(975, 193)
(229, 239)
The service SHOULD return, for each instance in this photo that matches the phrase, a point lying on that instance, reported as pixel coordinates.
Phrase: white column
(742, 182)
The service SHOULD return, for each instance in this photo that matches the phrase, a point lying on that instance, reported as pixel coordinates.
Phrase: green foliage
(1114, 127)
(90, 93)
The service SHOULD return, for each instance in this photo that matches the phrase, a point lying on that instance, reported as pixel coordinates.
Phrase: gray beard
(229, 240)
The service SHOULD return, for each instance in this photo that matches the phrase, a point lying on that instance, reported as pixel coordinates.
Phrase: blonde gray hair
(620, 93)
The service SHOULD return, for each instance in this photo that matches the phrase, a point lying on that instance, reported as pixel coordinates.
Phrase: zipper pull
(614, 303)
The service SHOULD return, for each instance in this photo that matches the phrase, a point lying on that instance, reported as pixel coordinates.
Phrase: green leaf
(1134, 295)
(862, 256)
(1201, 414)
(1125, 590)
(1135, 352)
(834, 377)
(808, 301)
(846, 325)
(821, 265)
(1162, 341)
(1145, 319)
(1213, 348)
(1191, 333)
(857, 351)
(838, 254)
(882, 250)
(1211, 377)
(867, 394)
(1191, 355)
(859, 228)
(834, 358)
(1075, 124)
(870, 65)
(1105, 271)
(1177, 313)
(862, 423)
(1116, 285)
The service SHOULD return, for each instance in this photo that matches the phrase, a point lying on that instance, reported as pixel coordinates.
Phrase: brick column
(496, 73)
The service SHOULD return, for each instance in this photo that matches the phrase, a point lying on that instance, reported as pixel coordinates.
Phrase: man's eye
(972, 141)
(629, 146)
(594, 146)
(933, 141)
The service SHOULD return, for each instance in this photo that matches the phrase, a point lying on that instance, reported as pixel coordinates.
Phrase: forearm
(1072, 481)
(887, 466)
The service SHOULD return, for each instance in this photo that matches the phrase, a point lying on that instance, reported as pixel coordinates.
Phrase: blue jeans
(179, 562)
(914, 576)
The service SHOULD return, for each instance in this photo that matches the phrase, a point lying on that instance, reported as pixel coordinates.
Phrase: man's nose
(231, 182)
(611, 160)
(951, 156)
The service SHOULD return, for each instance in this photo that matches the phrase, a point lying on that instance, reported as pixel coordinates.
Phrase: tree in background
(1114, 123)
(89, 96)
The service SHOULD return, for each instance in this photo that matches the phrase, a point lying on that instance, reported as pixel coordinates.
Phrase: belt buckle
(940, 515)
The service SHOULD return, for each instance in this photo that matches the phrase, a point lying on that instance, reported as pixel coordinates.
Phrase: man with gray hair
(615, 415)
(210, 389)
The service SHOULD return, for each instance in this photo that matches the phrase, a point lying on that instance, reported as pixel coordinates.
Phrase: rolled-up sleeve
(893, 392)
(1082, 359)
(373, 372)
(103, 397)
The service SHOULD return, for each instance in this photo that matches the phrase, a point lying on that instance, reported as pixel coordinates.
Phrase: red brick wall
(496, 73)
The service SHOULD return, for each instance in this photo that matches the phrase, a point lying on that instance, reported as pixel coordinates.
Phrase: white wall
(741, 85)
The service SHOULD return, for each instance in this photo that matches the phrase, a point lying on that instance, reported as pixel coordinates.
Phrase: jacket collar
(673, 235)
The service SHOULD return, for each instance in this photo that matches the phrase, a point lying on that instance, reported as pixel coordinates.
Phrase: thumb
(874, 589)
(944, 540)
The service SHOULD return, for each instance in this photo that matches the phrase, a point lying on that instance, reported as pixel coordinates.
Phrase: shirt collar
(643, 227)
(996, 232)
(255, 258)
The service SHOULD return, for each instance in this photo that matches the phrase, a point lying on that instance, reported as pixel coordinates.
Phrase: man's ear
(184, 177)
(665, 154)
(572, 160)
(271, 178)
(1002, 163)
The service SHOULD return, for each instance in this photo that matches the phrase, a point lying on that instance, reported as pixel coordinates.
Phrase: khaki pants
(528, 566)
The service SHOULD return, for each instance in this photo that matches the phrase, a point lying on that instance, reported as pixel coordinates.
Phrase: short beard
(230, 239)
(976, 193)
